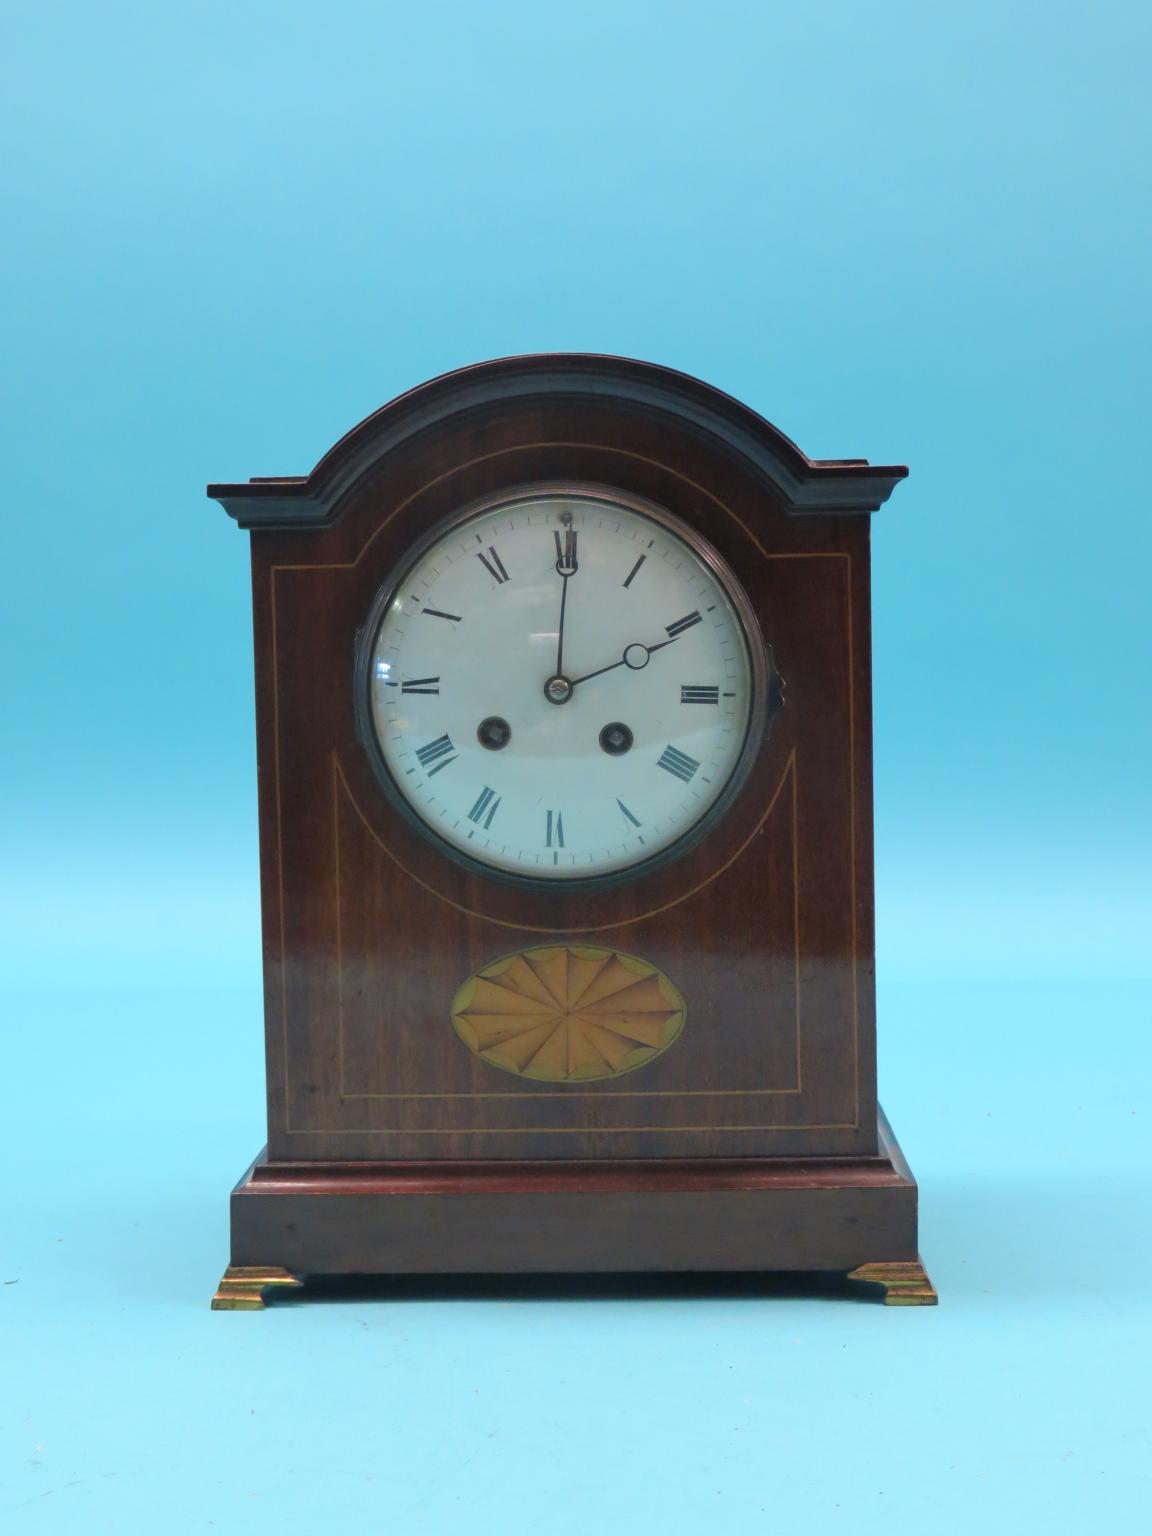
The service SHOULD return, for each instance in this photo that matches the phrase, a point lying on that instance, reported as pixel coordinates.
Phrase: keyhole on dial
(494, 733)
(616, 739)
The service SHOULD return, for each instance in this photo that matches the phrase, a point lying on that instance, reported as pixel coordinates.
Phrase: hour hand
(635, 656)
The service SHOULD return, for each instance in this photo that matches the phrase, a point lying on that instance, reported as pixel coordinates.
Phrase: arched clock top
(805, 487)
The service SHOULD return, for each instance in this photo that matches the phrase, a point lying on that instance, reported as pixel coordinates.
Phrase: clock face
(563, 685)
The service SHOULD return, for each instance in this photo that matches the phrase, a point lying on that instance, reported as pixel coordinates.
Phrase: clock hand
(635, 662)
(566, 565)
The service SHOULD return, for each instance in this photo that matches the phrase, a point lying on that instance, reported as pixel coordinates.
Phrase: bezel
(767, 687)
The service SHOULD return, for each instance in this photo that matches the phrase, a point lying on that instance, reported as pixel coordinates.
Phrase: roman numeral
(635, 568)
(441, 752)
(672, 630)
(437, 614)
(555, 831)
(628, 813)
(487, 800)
(693, 693)
(421, 685)
(565, 551)
(493, 564)
(678, 763)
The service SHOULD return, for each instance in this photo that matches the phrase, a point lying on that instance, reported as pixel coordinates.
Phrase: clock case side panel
(858, 537)
(275, 959)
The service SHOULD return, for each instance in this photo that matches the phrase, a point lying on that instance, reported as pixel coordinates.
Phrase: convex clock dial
(563, 685)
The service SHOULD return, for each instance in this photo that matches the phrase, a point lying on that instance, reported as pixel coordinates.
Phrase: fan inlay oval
(568, 1013)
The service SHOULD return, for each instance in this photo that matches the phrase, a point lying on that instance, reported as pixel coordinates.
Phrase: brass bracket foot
(906, 1284)
(243, 1285)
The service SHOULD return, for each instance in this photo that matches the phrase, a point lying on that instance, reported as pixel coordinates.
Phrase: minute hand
(634, 661)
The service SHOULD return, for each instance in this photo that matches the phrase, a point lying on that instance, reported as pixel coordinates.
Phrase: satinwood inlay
(564, 1013)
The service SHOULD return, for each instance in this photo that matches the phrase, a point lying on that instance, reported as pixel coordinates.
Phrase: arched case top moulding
(800, 485)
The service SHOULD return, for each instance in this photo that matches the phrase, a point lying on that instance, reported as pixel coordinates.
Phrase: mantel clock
(564, 742)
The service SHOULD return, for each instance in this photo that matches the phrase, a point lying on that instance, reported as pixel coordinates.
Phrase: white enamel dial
(561, 686)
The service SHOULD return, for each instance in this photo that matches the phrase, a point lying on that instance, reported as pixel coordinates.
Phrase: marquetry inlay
(565, 1013)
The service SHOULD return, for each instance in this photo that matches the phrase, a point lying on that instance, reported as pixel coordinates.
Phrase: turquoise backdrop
(914, 230)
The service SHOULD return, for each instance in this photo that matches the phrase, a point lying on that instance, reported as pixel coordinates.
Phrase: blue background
(913, 231)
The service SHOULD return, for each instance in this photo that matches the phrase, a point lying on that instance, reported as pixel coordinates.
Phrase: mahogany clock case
(765, 925)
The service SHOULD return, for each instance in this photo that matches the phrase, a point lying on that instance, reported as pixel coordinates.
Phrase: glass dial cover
(563, 685)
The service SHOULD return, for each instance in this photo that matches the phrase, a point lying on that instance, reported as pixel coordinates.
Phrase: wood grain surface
(766, 928)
